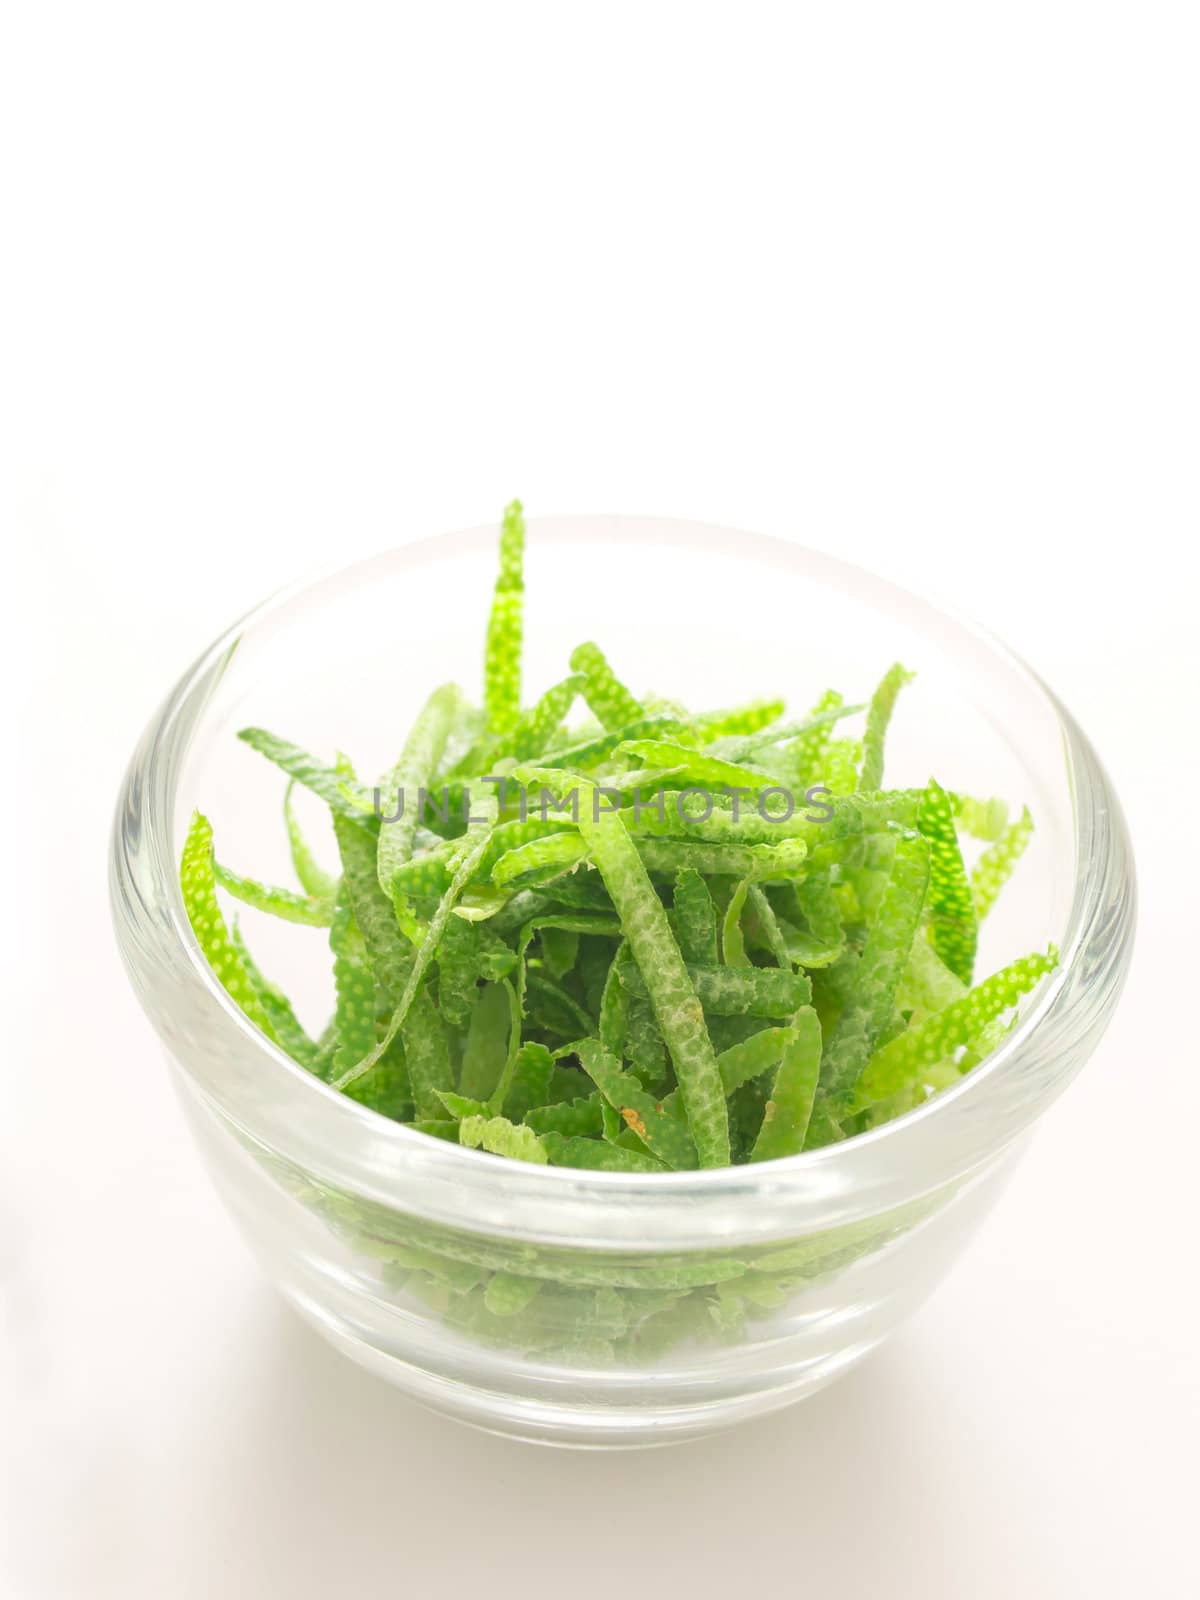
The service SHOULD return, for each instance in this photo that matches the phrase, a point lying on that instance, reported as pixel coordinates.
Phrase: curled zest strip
(313, 879)
(787, 1113)
(741, 991)
(953, 924)
(403, 783)
(421, 961)
(666, 1139)
(878, 973)
(502, 658)
(995, 865)
(879, 714)
(678, 1011)
(961, 1023)
(501, 1137)
(284, 903)
(609, 701)
(328, 782)
(198, 883)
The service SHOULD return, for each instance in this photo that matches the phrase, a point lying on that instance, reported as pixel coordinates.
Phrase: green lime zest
(623, 934)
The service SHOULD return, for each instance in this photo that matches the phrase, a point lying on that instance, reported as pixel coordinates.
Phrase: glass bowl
(594, 1308)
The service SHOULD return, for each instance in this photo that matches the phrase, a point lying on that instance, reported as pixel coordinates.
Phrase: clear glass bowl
(666, 1306)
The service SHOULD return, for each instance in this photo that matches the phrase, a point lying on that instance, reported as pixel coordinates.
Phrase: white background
(916, 284)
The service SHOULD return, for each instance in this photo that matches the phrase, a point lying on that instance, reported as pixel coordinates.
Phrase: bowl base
(635, 1425)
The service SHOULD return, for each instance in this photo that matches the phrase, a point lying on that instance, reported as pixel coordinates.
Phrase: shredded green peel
(664, 1137)
(502, 1138)
(609, 701)
(354, 1018)
(285, 903)
(879, 714)
(931, 1041)
(677, 1009)
(669, 939)
(995, 865)
(401, 787)
(313, 878)
(953, 924)
(502, 662)
(868, 1009)
(198, 882)
(787, 1112)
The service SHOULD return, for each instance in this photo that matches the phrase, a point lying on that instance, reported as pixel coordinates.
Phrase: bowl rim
(1062, 1013)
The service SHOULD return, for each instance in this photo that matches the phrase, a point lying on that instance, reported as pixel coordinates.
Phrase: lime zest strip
(199, 886)
(678, 1012)
(666, 1139)
(792, 733)
(785, 1120)
(313, 878)
(669, 857)
(995, 865)
(596, 1155)
(284, 1023)
(953, 925)
(743, 1062)
(388, 951)
(585, 755)
(324, 780)
(741, 991)
(556, 852)
(808, 751)
(982, 819)
(500, 1137)
(879, 714)
(741, 722)
(502, 655)
(537, 727)
(421, 961)
(877, 974)
(698, 765)
(284, 903)
(896, 1065)
(609, 701)
(427, 1055)
(354, 1018)
(575, 1119)
(402, 785)
(694, 918)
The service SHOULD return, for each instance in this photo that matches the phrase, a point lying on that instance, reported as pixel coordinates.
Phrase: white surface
(915, 284)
